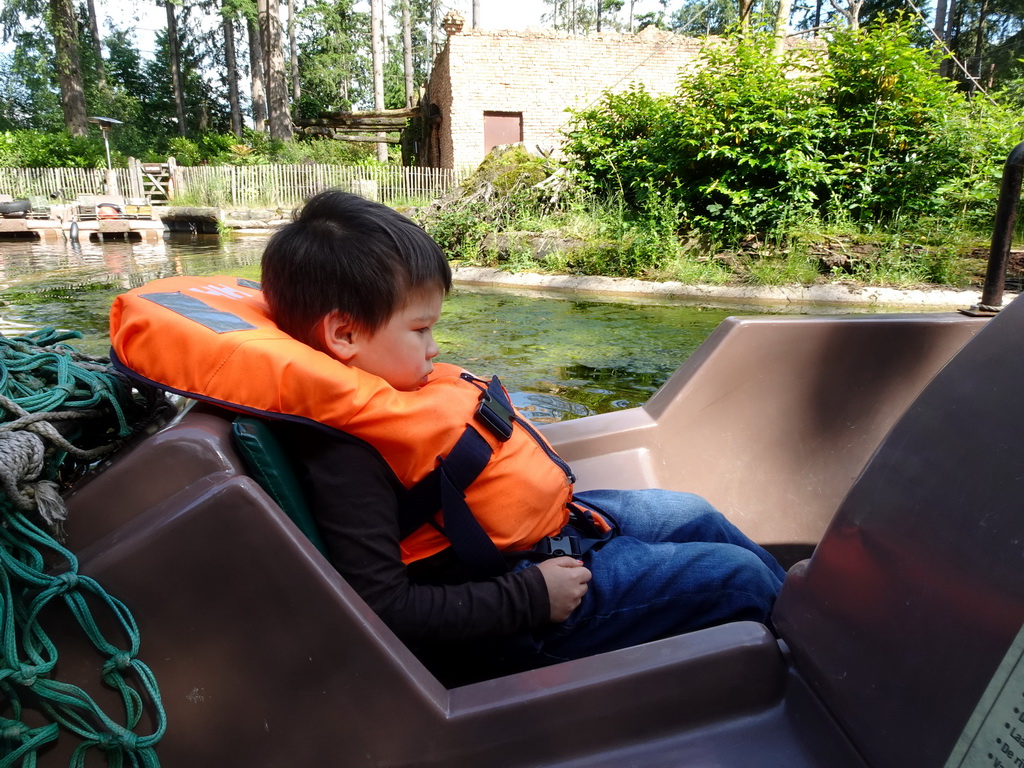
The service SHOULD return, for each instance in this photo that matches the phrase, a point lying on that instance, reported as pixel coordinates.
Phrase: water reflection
(70, 285)
(559, 357)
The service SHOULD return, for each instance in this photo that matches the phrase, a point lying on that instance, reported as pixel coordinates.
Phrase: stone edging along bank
(262, 221)
(826, 293)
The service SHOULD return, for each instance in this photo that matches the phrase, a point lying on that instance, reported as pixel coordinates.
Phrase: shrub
(754, 144)
(36, 149)
(325, 152)
(886, 139)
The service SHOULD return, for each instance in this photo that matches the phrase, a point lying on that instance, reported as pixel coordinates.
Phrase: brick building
(491, 88)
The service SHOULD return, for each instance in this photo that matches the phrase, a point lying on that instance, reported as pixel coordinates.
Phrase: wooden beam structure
(352, 126)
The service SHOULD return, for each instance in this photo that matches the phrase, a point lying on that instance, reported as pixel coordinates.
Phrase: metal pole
(106, 143)
(1002, 230)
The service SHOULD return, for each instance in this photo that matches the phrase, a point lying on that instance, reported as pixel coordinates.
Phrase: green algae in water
(563, 358)
(559, 357)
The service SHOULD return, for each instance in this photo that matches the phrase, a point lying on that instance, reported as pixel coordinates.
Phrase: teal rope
(43, 382)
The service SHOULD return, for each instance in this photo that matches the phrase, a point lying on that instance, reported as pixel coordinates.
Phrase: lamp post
(105, 124)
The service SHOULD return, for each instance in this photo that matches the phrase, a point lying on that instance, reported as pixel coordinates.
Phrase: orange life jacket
(211, 338)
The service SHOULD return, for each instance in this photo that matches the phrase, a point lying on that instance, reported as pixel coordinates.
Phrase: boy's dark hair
(343, 252)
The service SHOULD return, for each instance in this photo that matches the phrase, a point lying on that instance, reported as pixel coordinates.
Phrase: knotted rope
(60, 412)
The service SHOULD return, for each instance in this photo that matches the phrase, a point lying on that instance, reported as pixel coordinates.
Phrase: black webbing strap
(445, 488)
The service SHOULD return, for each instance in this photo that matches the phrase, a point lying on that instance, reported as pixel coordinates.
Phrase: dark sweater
(354, 497)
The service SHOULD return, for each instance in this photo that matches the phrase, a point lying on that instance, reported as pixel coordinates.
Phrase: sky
(494, 14)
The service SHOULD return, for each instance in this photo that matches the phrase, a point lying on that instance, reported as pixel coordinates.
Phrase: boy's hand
(566, 580)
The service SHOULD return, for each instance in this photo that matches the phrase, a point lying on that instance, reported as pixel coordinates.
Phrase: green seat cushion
(272, 469)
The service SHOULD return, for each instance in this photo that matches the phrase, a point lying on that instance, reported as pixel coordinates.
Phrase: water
(560, 357)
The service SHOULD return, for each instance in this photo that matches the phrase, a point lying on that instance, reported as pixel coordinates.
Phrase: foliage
(735, 148)
(887, 138)
(35, 149)
(334, 69)
(752, 143)
(325, 152)
(696, 17)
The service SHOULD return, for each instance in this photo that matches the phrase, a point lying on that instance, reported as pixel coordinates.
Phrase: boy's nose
(432, 349)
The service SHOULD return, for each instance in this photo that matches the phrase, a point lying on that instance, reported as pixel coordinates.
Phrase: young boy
(363, 284)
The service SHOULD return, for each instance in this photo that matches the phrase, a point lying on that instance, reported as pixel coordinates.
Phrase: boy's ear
(338, 336)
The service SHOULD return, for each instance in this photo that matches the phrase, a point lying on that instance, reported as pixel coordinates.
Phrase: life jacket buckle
(559, 546)
(495, 411)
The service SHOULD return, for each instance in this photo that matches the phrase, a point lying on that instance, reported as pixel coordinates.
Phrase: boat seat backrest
(269, 466)
(916, 591)
(265, 656)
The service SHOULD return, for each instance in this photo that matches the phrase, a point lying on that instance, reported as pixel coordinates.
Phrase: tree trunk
(599, 4)
(293, 53)
(277, 86)
(851, 13)
(378, 67)
(69, 67)
(97, 43)
(175, 55)
(410, 95)
(946, 67)
(258, 88)
(940, 19)
(855, 8)
(781, 27)
(232, 66)
(476, 13)
(746, 6)
(979, 43)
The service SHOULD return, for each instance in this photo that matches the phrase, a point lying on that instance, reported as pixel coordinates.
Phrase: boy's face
(400, 351)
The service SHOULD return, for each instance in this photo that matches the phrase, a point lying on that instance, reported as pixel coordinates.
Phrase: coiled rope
(60, 413)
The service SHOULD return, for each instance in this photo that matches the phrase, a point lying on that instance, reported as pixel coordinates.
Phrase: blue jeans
(675, 565)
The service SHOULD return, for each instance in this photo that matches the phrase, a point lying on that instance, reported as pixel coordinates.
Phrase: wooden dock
(93, 217)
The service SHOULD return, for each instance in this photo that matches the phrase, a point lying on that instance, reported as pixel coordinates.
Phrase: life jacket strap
(445, 488)
(470, 542)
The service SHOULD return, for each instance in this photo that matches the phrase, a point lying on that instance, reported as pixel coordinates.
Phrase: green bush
(866, 132)
(887, 139)
(184, 151)
(324, 151)
(36, 149)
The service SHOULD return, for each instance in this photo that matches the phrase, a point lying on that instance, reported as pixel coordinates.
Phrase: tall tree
(293, 54)
(698, 17)
(781, 26)
(850, 12)
(410, 97)
(257, 81)
(334, 59)
(746, 7)
(377, 56)
(94, 31)
(606, 10)
(69, 66)
(271, 33)
(174, 50)
(231, 65)
(573, 16)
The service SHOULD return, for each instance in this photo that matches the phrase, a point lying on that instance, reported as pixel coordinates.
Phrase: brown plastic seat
(772, 418)
(266, 657)
(916, 592)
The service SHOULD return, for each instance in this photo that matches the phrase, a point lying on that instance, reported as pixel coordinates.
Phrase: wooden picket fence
(285, 185)
(56, 183)
(240, 186)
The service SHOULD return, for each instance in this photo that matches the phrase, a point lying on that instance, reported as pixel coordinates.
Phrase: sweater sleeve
(354, 496)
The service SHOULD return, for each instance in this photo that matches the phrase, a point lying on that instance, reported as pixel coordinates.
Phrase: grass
(596, 239)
